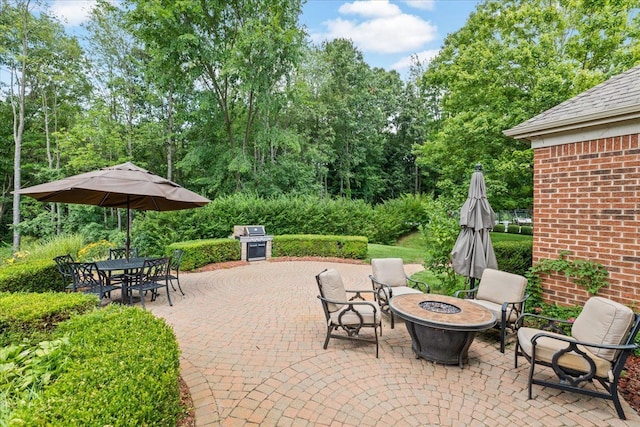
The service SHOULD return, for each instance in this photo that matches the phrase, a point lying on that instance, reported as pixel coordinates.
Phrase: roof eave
(596, 119)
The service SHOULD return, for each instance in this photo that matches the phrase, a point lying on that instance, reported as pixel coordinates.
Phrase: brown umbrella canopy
(121, 186)
(473, 251)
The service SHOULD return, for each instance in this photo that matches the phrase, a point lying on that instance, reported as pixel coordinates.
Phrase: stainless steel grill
(256, 245)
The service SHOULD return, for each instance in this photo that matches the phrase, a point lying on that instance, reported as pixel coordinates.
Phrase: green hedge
(31, 276)
(499, 228)
(202, 252)
(299, 245)
(24, 312)
(526, 229)
(513, 256)
(122, 370)
(513, 229)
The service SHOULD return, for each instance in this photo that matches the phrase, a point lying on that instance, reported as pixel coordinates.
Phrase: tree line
(227, 97)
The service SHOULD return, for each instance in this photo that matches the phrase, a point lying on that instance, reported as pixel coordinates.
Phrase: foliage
(499, 228)
(121, 369)
(441, 232)
(525, 229)
(510, 61)
(513, 256)
(49, 248)
(398, 217)
(202, 252)
(351, 247)
(40, 311)
(513, 229)
(586, 273)
(95, 251)
(32, 276)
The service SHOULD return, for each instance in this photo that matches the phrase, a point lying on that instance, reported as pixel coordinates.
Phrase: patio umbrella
(121, 186)
(473, 251)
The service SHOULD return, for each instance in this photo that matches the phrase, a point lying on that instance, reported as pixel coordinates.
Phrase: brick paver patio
(251, 340)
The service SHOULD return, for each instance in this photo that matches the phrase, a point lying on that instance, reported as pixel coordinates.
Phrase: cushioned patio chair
(63, 262)
(153, 276)
(503, 294)
(88, 279)
(389, 279)
(347, 315)
(602, 337)
(174, 270)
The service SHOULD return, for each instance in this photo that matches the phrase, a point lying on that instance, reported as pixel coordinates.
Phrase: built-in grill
(256, 245)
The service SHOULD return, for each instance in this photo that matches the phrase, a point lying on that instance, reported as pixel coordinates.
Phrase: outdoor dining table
(127, 266)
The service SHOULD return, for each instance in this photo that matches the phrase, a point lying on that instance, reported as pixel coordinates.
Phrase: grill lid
(254, 230)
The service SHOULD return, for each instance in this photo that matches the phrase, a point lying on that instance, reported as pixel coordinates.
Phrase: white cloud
(379, 27)
(72, 12)
(421, 4)
(424, 57)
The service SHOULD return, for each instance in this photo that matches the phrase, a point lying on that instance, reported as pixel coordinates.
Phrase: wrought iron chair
(88, 279)
(344, 314)
(176, 259)
(63, 262)
(153, 276)
(602, 337)
(503, 294)
(389, 279)
(120, 253)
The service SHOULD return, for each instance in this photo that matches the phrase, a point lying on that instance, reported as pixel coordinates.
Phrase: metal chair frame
(154, 275)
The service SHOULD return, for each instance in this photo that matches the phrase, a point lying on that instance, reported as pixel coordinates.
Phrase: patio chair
(602, 337)
(153, 276)
(176, 259)
(63, 262)
(87, 278)
(389, 279)
(347, 315)
(503, 294)
(120, 253)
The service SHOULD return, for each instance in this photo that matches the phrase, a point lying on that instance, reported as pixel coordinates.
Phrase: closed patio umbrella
(473, 251)
(121, 186)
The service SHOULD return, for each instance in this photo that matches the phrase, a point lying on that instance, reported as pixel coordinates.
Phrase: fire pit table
(441, 327)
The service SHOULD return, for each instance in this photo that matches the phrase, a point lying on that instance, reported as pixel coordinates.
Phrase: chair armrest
(358, 294)
(466, 291)
(552, 323)
(349, 303)
(508, 303)
(417, 284)
(569, 340)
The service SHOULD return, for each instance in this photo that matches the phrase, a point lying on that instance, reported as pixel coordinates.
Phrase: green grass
(509, 237)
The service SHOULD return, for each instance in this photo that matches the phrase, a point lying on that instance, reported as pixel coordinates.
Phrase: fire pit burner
(439, 307)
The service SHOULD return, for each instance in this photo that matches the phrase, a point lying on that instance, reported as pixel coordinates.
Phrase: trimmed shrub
(513, 229)
(514, 257)
(122, 369)
(297, 245)
(525, 229)
(31, 276)
(202, 252)
(499, 228)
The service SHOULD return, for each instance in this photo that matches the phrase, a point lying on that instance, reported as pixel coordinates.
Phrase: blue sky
(387, 32)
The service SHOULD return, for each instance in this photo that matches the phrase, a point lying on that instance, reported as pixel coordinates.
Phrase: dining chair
(87, 278)
(120, 253)
(153, 275)
(63, 262)
(176, 259)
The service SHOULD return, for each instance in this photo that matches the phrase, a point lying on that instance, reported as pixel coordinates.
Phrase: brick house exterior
(587, 187)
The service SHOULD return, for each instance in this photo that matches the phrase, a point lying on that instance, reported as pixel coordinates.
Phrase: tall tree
(236, 52)
(511, 61)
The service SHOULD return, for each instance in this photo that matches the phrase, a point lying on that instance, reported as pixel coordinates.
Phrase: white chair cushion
(389, 271)
(496, 309)
(332, 288)
(403, 290)
(499, 286)
(547, 347)
(603, 321)
(350, 318)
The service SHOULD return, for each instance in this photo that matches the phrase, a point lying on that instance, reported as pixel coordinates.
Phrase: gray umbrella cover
(473, 251)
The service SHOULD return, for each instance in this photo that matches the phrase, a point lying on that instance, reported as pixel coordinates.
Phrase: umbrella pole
(127, 242)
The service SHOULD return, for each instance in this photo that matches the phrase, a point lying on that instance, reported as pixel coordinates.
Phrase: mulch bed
(629, 386)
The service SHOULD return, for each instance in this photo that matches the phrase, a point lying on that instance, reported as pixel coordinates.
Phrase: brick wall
(587, 201)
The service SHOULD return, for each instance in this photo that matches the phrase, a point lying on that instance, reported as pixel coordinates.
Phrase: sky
(387, 32)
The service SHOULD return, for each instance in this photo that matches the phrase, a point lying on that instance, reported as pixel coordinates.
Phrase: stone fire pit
(441, 327)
